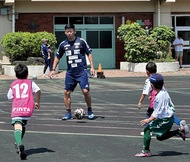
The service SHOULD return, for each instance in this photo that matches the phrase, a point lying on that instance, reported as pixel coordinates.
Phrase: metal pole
(158, 12)
(123, 20)
(13, 18)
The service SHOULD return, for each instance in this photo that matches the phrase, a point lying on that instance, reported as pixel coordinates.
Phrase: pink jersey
(152, 95)
(23, 100)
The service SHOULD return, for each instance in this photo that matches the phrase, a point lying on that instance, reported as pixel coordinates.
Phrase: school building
(96, 21)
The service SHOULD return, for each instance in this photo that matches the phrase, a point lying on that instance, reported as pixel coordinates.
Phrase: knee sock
(147, 139)
(18, 136)
(68, 111)
(89, 109)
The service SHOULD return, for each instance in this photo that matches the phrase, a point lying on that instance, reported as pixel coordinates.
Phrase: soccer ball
(79, 113)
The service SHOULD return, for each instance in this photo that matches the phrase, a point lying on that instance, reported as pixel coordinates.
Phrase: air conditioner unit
(3, 11)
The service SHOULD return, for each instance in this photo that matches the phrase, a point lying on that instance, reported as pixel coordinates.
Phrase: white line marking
(85, 134)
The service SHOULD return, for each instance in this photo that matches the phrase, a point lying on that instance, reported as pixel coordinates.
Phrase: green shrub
(19, 46)
(142, 48)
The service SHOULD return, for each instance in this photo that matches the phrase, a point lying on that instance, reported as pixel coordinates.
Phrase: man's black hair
(68, 26)
(21, 71)
(151, 67)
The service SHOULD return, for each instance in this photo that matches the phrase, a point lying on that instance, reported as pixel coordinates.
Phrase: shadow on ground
(170, 153)
(37, 151)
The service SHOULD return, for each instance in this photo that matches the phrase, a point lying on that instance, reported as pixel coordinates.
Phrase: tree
(21, 45)
(141, 47)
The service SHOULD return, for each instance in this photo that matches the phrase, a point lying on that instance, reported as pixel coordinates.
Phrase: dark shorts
(161, 126)
(23, 122)
(149, 111)
(48, 62)
(71, 81)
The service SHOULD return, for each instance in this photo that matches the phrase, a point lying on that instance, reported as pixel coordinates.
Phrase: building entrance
(99, 32)
(181, 24)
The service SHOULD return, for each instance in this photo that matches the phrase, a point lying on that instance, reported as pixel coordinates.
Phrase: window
(76, 20)
(96, 30)
(60, 35)
(182, 20)
(106, 20)
(105, 39)
(92, 38)
(84, 20)
(99, 39)
(91, 20)
(61, 20)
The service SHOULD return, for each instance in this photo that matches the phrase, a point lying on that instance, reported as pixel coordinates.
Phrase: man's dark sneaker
(90, 115)
(22, 152)
(67, 116)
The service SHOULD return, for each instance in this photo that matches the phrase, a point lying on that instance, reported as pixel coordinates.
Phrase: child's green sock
(18, 136)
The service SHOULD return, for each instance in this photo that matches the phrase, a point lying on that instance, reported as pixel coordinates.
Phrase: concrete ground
(118, 73)
(114, 136)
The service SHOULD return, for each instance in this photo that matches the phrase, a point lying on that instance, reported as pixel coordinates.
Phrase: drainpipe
(123, 20)
(13, 17)
(158, 9)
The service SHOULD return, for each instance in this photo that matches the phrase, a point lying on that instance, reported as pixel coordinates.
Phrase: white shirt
(163, 106)
(147, 87)
(178, 47)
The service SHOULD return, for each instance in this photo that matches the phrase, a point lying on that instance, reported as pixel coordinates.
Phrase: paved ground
(112, 137)
(119, 73)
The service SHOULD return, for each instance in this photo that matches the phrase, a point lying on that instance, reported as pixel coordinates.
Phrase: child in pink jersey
(21, 93)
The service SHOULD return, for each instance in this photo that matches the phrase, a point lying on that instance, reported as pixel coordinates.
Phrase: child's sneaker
(17, 148)
(67, 116)
(22, 152)
(183, 125)
(90, 115)
(182, 133)
(143, 154)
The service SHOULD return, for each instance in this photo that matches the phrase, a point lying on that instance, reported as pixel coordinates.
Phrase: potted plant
(142, 46)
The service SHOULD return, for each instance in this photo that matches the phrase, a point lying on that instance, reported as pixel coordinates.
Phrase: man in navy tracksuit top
(75, 49)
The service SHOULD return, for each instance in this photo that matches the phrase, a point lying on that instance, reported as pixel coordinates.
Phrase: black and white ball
(79, 113)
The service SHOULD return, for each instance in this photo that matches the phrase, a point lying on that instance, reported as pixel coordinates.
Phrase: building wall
(181, 6)
(83, 7)
(38, 21)
(35, 22)
(5, 27)
(38, 16)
